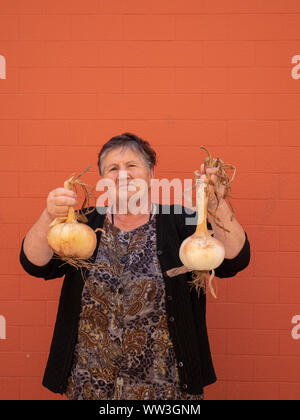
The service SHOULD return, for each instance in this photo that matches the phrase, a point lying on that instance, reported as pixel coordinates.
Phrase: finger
(64, 192)
(65, 201)
(62, 211)
(211, 170)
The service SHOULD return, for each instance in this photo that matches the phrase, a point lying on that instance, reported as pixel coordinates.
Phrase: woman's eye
(112, 169)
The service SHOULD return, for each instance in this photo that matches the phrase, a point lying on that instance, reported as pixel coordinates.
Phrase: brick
(289, 264)
(253, 132)
(10, 189)
(243, 209)
(176, 132)
(43, 132)
(151, 53)
(9, 161)
(71, 106)
(274, 316)
(76, 7)
(31, 209)
(39, 184)
(234, 368)
(252, 342)
(31, 389)
(289, 130)
(225, 106)
(19, 7)
(11, 83)
(289, 160)
(265, 238)
(9, 132)
(57, 158)
(24, 53)
(281, 369)
(288, 345)
(289, 238)
(289, 391)
(16, 364)
(196, 27)
(253, 289)
(149, 106)
(96, 27)
(276, 53)
(94, 132)
(261, 80)
(243, 106)
(225, 315)
(212, 80)
(102, 80)
(228, 53)
(262, 26)
(217, 391)
(29, 106)
(218, 341)
(45, 80)
(276, 211)
(30, 313)
(150, 80)
(266, 264)
(72, 53)
(32, 288)
(10, 287)
(9, 259)
(260, 186)
(35, 339)
(9, 27)
(12, 341)
(148, 27)
(288, 287)
(9, 388)
(253, 390)
(45, 27)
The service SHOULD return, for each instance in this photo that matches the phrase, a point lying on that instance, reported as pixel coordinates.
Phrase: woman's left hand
(216, 190)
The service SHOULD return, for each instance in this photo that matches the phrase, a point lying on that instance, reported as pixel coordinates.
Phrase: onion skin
(201, 252)
(72, 240)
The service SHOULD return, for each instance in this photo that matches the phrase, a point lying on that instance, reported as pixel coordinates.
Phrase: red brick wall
(180, 73)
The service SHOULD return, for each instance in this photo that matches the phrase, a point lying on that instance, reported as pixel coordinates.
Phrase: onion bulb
(73, 241)
(72, 238)
(201, 251)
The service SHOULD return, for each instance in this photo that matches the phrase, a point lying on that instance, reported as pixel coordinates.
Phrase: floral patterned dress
(124, 350)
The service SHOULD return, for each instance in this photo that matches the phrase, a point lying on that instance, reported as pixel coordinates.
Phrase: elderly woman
(127, 330)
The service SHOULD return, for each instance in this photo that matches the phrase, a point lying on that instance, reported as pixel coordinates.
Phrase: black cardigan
(185, 310)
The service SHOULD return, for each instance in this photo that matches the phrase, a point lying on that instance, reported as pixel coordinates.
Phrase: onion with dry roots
(201, 253)
(73, 241)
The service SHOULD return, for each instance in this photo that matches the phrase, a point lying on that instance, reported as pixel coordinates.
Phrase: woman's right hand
(59, 201)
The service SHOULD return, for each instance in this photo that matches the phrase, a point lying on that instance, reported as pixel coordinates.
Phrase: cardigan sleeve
(53, 269)
(230, 267)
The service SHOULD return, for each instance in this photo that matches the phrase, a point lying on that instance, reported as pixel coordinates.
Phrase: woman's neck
(131, 221)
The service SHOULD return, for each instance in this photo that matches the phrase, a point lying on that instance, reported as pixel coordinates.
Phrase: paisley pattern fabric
(124, 350)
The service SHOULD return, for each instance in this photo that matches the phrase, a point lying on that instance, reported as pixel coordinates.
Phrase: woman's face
(127, 169)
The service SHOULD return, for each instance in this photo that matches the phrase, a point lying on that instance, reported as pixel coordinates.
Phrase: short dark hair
(133, 142)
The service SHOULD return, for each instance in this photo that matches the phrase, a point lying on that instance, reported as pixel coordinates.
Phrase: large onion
(73, 241)
(72, 238)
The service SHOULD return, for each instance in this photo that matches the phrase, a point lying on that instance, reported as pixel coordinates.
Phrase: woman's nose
(123, 175)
